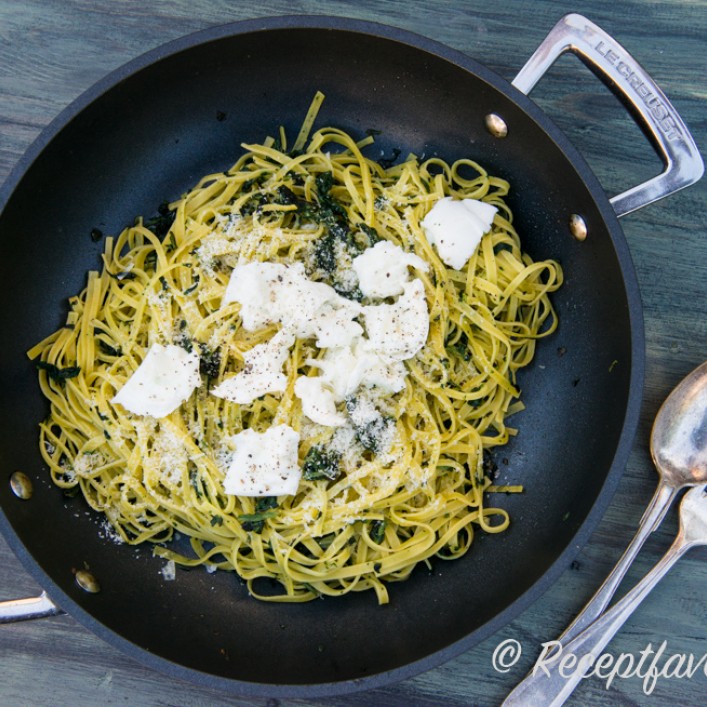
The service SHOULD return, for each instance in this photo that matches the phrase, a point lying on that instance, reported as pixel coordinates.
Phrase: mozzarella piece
(303, 301)
(455, 228)
(254, 286)
(271, 293)
(165, 378)
(264, 464)
(333, 323)
(387, 376)
(345, 369)
(262, 372)
(383, 269)
(342, 370)
(318, 402)
(398, 331)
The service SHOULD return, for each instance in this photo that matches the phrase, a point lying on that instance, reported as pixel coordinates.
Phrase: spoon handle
(652, 517)
(32, 608)
(552, 681)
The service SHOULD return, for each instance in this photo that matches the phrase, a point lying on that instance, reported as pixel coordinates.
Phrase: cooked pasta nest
(319, 202)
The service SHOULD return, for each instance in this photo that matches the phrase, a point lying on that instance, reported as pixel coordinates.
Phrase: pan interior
(147, 139)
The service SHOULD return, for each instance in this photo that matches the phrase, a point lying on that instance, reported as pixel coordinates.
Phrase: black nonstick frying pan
(144, 135)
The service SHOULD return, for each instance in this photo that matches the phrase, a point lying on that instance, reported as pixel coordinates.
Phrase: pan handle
(637, 91)
(24, 609)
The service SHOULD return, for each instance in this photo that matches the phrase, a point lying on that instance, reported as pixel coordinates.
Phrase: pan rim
(635, 390)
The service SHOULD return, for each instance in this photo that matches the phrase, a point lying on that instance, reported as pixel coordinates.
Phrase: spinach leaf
(108, 349)
(58, 374)
(162, 222)
(321, 464)
(209, 362)
(265, 508)
(377, 531)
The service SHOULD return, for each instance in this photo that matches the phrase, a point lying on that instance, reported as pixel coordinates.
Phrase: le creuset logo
(667, 122)
(649, 665)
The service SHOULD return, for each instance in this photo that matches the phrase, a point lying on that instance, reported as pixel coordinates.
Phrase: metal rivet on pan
(496, 125)
(578, 227)
(87, 582)
(21, 485)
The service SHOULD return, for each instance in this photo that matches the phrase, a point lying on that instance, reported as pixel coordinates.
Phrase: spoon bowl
(679, 436)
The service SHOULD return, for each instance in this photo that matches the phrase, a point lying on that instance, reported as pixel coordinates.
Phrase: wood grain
(52, 50)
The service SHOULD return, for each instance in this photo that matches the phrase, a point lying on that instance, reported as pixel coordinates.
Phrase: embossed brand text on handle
(636, 82)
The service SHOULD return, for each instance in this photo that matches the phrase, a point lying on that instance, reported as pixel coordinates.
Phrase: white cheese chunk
(318, 402)
(342, 370)
(264, 464)
(303, 301)
(398, 331)
(262, 372)
(455, 228)
(383, 269)
(333, 323)
(345, 369)
(386, 376)
(271, 293)
(254, 286)
(165, 378)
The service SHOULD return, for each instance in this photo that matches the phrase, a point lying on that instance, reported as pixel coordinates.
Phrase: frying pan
(144, 135)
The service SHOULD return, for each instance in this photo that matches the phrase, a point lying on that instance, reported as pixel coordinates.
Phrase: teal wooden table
(52, 50)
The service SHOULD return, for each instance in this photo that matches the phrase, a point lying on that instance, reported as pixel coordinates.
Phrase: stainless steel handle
(24, 609)
(637, 91)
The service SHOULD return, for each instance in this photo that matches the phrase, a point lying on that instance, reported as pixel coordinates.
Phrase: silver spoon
(679, 451)
(552, 690)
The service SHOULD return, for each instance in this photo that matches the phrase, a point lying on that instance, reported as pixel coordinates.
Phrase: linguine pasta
(372, 503)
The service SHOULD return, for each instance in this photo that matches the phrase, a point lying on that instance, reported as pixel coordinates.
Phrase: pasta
(374, 501)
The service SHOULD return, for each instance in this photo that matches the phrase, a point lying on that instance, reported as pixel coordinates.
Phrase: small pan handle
(634, 87)
(32, 608)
